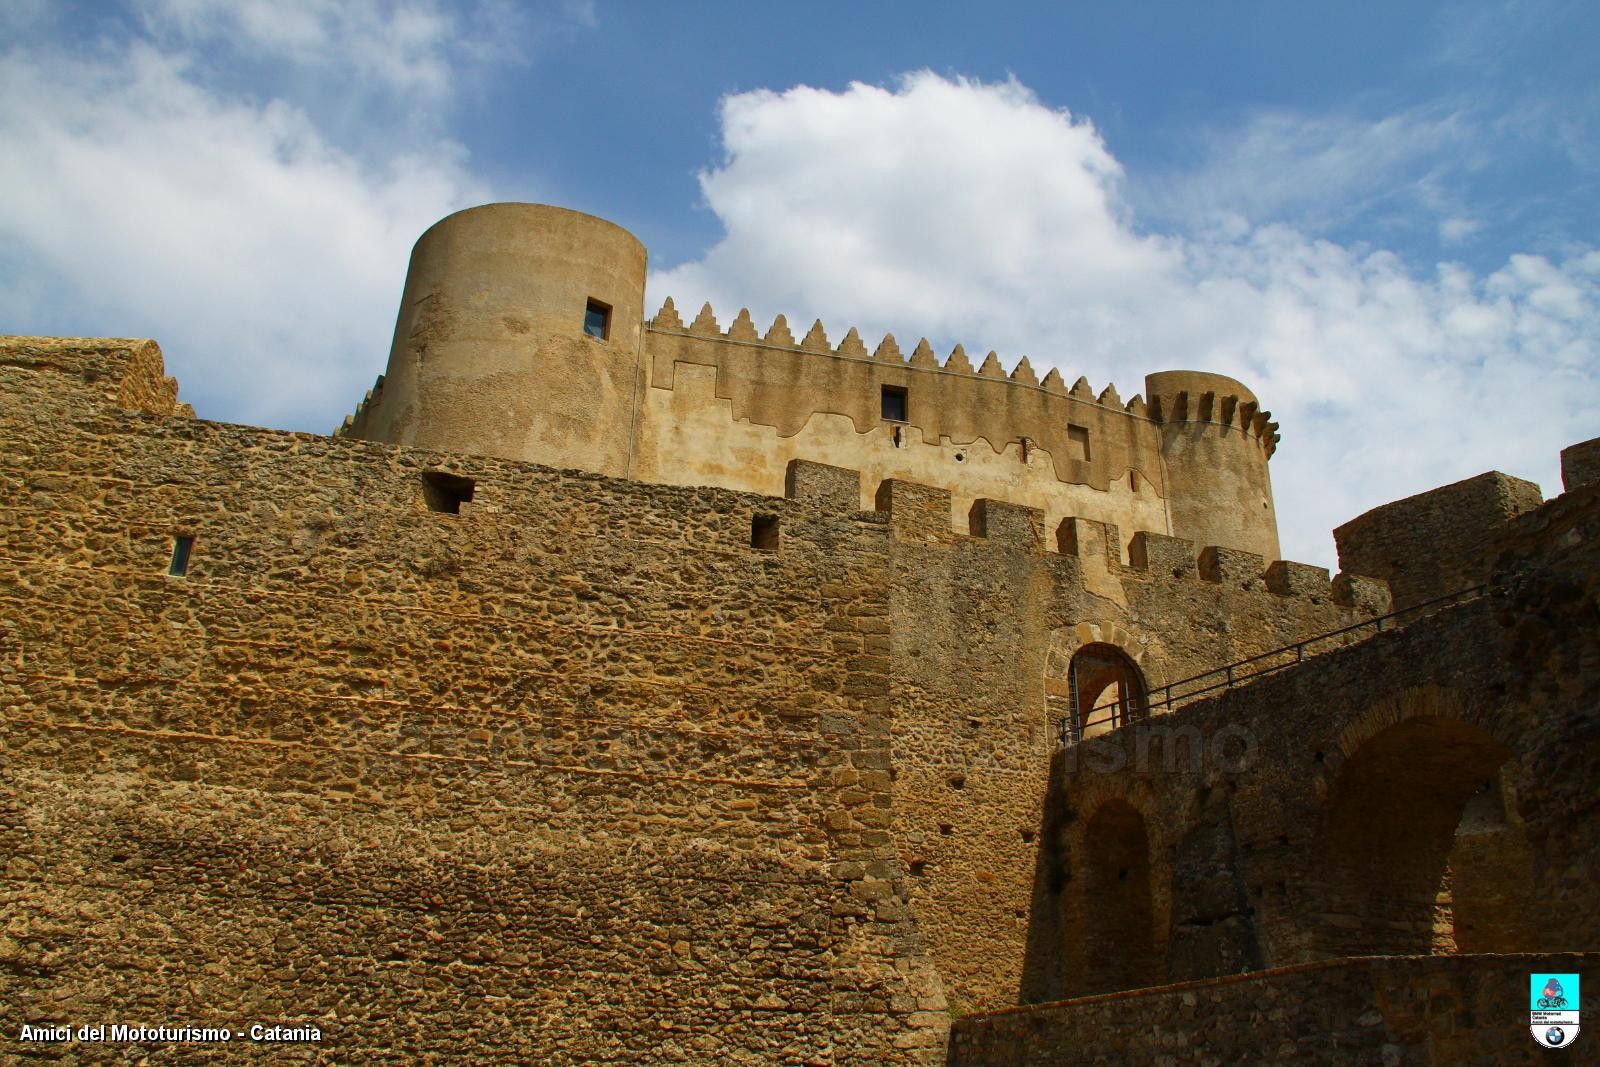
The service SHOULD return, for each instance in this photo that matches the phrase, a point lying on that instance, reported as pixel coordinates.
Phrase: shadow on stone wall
(1043, 965)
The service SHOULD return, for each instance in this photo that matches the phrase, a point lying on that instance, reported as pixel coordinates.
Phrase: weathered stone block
(1580, 464)
(1231, 566)
(1007, 524)
(916, 512)
(1160, 555)
(822, 486)
(1299, 579)
(1088, 539)
(1369, 596)
(1435, 543)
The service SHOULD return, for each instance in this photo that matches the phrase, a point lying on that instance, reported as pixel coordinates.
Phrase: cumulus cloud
(972, 212)
(266, 259)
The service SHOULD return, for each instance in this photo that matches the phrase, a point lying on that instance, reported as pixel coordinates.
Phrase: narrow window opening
(597, 320)
(918, 868)
(182, 545)
(446, 493)
(894, 402)
(1133, 481)
(899, 440)
(764, 533)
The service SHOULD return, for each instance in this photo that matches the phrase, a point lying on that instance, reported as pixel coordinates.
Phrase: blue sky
(1380, 216)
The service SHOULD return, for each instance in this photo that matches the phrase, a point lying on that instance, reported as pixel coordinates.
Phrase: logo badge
(1553, 1009)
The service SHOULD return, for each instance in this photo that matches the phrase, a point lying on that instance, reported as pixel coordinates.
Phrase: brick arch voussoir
(1090, 795)
(1142, 648)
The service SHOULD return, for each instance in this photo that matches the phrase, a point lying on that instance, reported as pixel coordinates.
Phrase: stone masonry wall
(1427, 790)
(1435, 543)
(574, 776)
(984, 630)
(1438, 1011)
(581, 774)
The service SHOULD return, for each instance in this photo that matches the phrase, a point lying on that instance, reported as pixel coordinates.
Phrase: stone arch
(1118, 913)
(1405, 773)
(1141, 651)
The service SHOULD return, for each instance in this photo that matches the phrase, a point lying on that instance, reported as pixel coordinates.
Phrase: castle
(619, 691)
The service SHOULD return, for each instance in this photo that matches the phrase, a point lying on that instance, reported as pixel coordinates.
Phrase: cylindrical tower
(518, 336)
(1215, 443)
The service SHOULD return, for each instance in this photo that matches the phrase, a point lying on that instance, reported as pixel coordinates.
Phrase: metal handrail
(1231, 675)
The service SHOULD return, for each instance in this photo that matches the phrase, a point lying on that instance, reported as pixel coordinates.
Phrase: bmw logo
(1555, 1035)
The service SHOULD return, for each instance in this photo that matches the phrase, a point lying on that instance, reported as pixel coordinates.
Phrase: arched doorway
(1107, 690)
(1390, 832)
(1489, 876)
(1118, 919)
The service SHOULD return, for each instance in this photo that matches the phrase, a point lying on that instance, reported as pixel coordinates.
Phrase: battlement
(1197, 397)
(922, 358)
(920, 514)
(355, 422)
(117, 371)
(560, 721)
(522, 334)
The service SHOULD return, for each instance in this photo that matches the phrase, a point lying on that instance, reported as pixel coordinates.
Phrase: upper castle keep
(522, 335)
(622, 691)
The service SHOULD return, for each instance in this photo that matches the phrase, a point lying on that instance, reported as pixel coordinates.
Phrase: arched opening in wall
(1402, 840)
(1107, 690)
(1118, 920)
(1489, 875)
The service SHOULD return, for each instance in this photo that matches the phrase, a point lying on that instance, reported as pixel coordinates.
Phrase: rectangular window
(597, 319)
(764, 533)
(894, 403)
(446, 492)
(182, 545)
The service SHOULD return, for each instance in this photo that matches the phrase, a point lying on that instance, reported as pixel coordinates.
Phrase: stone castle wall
(607, 771)
(1433, 1012)
(1423, 791)
(578, 776)
(491, 357)
(580, 736)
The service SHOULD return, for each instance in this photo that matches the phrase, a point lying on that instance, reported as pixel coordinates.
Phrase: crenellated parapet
(921, 514)
(973, 425)
(1215, 444)
(355, 424)
(1193, 397)
(779, 336)
(522, 334)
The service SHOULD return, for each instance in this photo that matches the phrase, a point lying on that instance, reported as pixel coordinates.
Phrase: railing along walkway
(1169, 696)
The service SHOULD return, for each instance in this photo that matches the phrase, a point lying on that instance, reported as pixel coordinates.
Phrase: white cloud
(1457, 229)
(973, 213)
(265, 259)
(1319, 172)
(404, 46)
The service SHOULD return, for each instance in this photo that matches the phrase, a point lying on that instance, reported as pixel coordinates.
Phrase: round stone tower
(1215, 443)
(518, 336)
